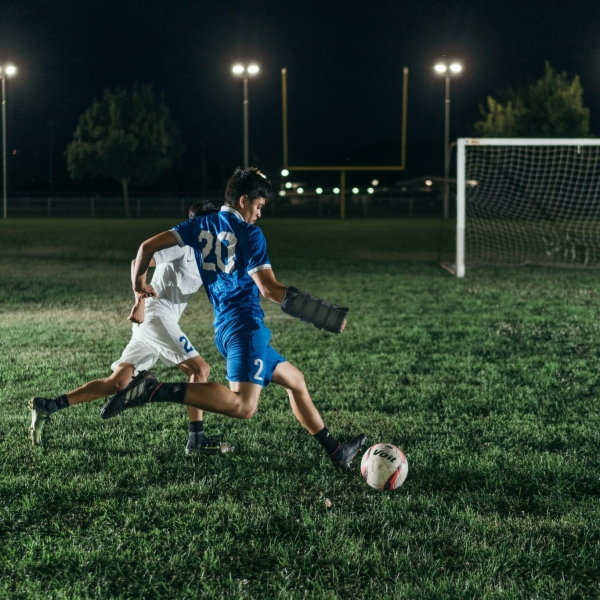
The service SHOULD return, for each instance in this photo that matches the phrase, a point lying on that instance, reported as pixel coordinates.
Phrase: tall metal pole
(246, 160)
(342, 194)
(285, 126)
(447, 150)
(4, 145)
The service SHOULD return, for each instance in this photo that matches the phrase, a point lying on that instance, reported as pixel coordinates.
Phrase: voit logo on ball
(384, 467)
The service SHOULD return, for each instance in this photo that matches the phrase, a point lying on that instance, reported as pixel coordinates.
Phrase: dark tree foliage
(550, 107)
(128, 136)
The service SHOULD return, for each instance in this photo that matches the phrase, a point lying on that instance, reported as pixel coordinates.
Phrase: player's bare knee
(247, 405)
(205, 372)
(246, 410)
(201, 375)
(297, 383)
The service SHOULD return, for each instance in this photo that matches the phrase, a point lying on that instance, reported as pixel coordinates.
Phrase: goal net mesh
(536, 205)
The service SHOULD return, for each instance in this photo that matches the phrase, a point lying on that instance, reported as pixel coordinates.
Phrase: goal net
(528, 202)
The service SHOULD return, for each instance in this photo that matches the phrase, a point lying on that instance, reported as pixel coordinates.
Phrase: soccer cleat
(197, 442)
(40, 415)
(138, 392)
(346, 451)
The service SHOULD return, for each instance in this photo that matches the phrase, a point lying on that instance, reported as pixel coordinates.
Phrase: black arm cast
(319, 312)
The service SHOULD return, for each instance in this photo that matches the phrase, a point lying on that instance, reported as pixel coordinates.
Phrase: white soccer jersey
(175, 280)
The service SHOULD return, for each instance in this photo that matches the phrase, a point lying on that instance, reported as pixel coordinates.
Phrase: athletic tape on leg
(319, 312)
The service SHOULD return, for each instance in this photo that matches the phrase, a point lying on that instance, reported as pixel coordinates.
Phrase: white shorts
(156, 338)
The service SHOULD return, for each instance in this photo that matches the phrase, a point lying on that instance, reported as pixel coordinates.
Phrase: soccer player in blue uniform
(156, 336)
(231, 253)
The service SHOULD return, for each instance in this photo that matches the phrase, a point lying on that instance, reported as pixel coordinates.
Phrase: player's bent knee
(246, 410)
(201, 376)
(296, 383)
(247, 407)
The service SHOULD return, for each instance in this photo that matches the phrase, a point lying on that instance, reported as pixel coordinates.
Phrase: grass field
(489, 384)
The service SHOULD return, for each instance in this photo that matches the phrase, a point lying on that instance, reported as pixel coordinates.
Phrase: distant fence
(101, 207)
(292, 205)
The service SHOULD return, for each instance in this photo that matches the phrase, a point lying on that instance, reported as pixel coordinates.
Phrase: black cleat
(138, 392)
(346, 451)
(198, 443)
(41, 409)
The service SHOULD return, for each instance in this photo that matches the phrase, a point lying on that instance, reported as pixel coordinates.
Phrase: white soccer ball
(384, 467)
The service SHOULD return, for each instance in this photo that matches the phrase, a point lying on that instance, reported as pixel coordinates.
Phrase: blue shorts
(249, 356)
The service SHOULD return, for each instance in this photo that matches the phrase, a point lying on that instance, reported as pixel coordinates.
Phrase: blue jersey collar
(229, 209)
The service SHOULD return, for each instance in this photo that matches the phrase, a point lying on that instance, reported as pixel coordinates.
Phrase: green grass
(489, 384)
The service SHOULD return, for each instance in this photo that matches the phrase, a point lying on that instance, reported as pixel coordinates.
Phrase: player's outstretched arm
(297, 303)
(268, 286)
(146, 251)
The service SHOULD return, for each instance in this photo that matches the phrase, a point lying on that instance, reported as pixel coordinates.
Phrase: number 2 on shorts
(187, 347)
(260, 364)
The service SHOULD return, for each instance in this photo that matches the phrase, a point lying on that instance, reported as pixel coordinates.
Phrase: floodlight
(253, 69)
(238, 69)
(371, 190)
(355, 190)
(5, 71)
(440, 68)
(289, 185)
(375, 182)
(282, 192)
(455, 68)
(319, 190)
(300, 190)
(428, 182)
(336, 190)
(285, 173)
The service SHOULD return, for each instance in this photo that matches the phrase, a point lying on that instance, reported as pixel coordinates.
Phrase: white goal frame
(461, 178)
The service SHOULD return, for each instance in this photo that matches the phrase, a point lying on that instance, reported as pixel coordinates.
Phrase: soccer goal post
(527, 202)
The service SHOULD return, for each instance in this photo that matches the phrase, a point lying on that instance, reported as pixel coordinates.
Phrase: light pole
(245, 72)
(5, 71)
(447, 71)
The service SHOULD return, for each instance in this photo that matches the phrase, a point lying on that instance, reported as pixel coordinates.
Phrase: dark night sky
(344, 62)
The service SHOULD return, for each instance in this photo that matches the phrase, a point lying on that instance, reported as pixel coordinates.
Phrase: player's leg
(198, 370)
(292, 380)
(43, 408)
(244, 366)
(99, 388)
(210, 396)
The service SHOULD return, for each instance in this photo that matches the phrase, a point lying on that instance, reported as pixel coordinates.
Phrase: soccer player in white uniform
(156, 336)
(232, 259)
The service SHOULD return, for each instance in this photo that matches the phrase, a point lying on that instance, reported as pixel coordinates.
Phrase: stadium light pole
(447, 71)
(5, 71)
(244, 72)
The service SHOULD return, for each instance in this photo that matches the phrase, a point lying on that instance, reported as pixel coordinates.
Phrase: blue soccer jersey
(228, 251)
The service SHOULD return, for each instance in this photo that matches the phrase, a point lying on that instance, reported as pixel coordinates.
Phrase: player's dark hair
(200, 208)
(247, 182)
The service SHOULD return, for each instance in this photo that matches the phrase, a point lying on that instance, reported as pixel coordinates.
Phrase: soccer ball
(384, 467)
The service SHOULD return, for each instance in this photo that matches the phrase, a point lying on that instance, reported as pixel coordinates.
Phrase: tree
(127, 136)
(550, 107)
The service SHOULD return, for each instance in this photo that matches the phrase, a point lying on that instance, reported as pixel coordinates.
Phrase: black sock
(329, 443)
(197, 426)
(169, 392)
(61, 402)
